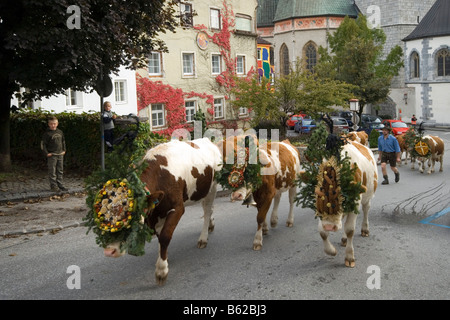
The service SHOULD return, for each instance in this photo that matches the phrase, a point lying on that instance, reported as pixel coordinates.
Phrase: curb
(36, 195)
(221, 193)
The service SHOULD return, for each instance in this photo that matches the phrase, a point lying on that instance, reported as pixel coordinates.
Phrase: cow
(436, 147)
(178, 173)
(358, 136)
(281, 166)
(403, 146)
(329, 198)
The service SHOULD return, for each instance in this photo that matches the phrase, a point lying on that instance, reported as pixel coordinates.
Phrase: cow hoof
(331, 251)
(257, 247)
(344, 242)
(289, 224)
(350, 264)
(161, 280)
(211, 229)
(273, 224)
(365, 233)
(201, 244)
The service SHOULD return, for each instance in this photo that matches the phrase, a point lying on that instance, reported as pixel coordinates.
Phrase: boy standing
(108, 121)
(54, 147)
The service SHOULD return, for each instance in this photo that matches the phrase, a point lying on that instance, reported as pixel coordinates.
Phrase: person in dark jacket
(108, 122)
(53, 146)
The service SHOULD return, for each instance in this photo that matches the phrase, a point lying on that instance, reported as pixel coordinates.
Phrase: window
(158, 115)
(120, 90)
(71, 98)
(443, 63)
(415, 63)
(284, 60)
(186, 14)
(243, 22)
(216, 61)
(243, 111)
(190, 110)
(311, 56)
(188, 64)
(154, 64)
(218, 108)
(240, 64)
(259, 54)
(215, 18)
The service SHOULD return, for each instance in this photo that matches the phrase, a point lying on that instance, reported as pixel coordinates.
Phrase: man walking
(389, 151)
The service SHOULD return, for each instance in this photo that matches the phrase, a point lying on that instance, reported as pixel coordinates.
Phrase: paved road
(404, 258)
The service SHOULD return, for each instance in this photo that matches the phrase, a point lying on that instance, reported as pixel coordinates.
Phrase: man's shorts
(390, 157)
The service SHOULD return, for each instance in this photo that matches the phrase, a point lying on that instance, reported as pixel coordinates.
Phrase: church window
(415, 65)
(310, 54)
(284, 61)
(443, 63)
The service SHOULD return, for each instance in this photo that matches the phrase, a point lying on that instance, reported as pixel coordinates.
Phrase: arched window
(415, 65)
(310, 56)
(284, 60)
(443, 63)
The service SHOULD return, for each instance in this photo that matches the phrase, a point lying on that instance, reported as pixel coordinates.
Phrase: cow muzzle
(113, 251)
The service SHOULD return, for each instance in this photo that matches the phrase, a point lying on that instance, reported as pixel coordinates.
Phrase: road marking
(435, 216)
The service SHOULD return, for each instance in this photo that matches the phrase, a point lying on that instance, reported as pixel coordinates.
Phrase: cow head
(329, 198)
(114, 249)
(241, 171)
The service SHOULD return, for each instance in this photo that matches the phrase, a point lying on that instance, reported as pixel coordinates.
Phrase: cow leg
(162, 264)
(292, 194)
(274, 216)
(261, 220)
(365, 222)
(208, 219)
(349, 230)
(431, 163)
(441, 160)
(328, 247)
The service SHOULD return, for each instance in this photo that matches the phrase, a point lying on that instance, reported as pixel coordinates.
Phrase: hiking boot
(54, 189)
(397, 177)
(62, 188)
(386, 180)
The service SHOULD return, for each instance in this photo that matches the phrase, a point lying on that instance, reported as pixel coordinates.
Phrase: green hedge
(81, 131)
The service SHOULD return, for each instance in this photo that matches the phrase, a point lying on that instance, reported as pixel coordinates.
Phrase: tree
(300, 90)
(356, 57)
(50, 46)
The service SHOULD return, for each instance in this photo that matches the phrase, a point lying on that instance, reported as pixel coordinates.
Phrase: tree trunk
(5, 150)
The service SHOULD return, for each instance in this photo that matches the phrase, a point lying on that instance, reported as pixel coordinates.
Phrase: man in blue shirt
(388, 151)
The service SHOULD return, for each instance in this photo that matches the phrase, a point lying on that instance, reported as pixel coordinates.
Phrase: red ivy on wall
(152, 92)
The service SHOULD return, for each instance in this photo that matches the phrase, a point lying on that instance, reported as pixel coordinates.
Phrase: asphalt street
(406, 256)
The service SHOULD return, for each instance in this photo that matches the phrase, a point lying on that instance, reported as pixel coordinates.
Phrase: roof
(288, 9)
(266, 12)
(435, 23)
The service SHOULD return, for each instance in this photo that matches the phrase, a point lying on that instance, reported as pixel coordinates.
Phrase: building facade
(215, 41)
(427, 65)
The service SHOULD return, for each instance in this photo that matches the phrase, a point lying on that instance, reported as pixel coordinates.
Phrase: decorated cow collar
(240, 173)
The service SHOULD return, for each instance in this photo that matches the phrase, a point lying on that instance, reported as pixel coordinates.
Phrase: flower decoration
(113, 206)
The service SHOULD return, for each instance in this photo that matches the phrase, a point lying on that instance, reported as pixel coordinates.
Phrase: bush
(373, 138)
(81, 131)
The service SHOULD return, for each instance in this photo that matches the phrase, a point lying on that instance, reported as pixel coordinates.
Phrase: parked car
(340, 125)
(397, 126)
(305, 126)
(347, 115)
(290, 123)
(370, 122)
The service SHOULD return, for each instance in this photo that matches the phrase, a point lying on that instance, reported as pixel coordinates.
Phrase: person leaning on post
(389, 151)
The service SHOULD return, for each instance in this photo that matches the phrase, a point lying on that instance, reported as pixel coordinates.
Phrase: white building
(427, 65)
(123, 97)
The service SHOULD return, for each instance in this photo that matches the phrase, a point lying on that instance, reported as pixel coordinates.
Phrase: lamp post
(354, 108)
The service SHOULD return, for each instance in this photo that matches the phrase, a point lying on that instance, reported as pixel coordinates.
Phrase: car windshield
(370, 118)
(296, 118)
(399, 125)
(340, 122)
(309, 122)
(377, 125)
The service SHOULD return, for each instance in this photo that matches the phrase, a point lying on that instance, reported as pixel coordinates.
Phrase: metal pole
(102, 127)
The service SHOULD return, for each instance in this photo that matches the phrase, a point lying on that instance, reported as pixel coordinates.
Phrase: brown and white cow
(281, 166)
(358, 136)
(436, 146)
(329, 200)
(178, 173)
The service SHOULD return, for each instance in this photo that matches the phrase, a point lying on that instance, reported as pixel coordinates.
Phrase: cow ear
(155, 198)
